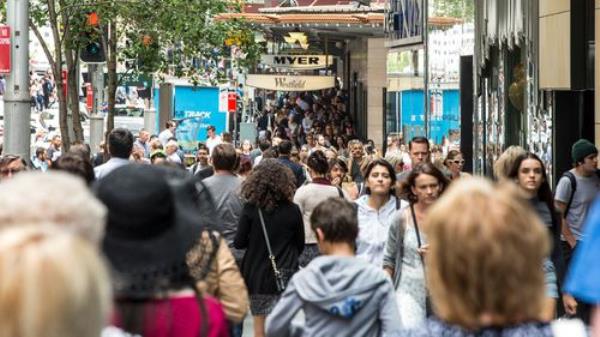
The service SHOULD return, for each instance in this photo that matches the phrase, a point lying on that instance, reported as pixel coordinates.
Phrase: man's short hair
(264, 145)
(224, 157)
(285, 147)
(202, 146)
(337, 219)
(169, 124)
(211, 127)
(120, 143)
(418, 140)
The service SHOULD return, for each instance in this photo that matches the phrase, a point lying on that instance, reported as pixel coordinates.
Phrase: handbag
(279, 282)
(428, 309)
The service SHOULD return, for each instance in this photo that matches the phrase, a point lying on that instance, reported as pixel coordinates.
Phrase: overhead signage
(290, 82)
(297, 61)
(405, 22)
(4, 49)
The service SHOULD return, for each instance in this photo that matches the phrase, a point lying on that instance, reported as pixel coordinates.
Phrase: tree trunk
(57, 69)
(71, 56)
(73, 94)
(112, 76)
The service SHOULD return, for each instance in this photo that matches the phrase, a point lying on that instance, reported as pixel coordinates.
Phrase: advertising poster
(195, 109)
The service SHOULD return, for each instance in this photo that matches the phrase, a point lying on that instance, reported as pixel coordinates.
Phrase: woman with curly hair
(268, 194)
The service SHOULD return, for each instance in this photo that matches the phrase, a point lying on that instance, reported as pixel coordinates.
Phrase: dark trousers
(583, 309)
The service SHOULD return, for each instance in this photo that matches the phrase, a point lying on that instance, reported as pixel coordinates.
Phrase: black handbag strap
(264, 228)
(276, 272)
(414, 217)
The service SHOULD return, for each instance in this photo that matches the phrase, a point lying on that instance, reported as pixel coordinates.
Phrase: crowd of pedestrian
(139, 239)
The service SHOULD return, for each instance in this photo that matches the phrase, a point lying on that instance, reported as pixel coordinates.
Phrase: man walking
(285, 149)
(120, 145)
(224, 187)
(143, 142)
(167, 133)
(419, 152)
(212, 140)
(575, 192)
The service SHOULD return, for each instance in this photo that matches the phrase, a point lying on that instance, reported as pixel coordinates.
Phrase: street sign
(4, 49)
(231, 102)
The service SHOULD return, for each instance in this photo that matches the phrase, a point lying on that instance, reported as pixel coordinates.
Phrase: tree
(461, 9)
(166, 37)
(175, 37)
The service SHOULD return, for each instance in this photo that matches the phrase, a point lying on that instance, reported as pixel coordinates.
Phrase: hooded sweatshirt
(340, 296)
(374, 228)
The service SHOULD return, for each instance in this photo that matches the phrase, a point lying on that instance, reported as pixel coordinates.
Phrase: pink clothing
(181, 317)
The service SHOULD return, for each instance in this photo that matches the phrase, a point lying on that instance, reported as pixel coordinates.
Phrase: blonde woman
(491, 283)
(52, 284)
(505, 162)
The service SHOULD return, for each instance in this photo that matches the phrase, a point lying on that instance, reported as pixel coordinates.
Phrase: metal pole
(96, 119)
(17, 136)
(426, 72)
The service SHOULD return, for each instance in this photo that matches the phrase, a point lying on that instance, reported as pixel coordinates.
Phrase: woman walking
(270, 222)
(407, 244)
(529, 173)
(309, 196)
(375, 208)
(454, 162)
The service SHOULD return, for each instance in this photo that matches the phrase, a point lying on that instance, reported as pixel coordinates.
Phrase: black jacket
(296, 169)
(286, 235)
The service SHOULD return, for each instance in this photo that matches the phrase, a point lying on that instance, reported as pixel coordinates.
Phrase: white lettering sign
(297, 61)
(290, 82)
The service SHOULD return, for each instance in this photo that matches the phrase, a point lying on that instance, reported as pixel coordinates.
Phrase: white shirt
(374, 228)
(112, 164)
(164, 136)
(174, 158)
(212, 142)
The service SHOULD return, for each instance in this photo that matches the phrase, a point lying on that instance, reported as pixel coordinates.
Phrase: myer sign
(290, 82)
(297, 61)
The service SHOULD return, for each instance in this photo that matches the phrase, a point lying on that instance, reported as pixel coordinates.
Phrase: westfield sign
(290, 82)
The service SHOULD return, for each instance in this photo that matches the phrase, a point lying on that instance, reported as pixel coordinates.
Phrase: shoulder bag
(279, 282)
(428, 309)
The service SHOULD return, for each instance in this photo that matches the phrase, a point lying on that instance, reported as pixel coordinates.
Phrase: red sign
(89, 97)
(63, 75)
(4, 49)
(232, 102)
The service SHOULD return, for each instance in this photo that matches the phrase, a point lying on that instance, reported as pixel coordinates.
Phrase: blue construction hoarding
(195, 108)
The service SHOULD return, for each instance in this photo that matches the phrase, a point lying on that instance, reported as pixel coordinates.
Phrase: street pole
(17, 109)
(96, 119)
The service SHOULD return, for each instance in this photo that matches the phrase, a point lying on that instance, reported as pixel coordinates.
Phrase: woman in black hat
(152, 224)
(268, 193)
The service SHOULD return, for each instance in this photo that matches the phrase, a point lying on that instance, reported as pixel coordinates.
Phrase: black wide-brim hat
(153, 221)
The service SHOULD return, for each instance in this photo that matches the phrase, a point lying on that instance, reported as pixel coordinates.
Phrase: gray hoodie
(340, 296)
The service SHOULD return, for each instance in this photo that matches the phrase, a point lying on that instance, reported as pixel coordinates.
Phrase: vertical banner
(4, 49)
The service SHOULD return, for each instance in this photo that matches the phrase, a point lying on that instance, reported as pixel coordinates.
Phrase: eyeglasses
(459, 162)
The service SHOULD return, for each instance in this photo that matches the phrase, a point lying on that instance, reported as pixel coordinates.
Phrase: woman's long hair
(544, 193)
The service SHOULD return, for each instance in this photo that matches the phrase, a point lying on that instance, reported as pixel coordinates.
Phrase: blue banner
(195, 108)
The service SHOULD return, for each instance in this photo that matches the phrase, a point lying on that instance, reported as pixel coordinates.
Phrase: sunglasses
(459, 162)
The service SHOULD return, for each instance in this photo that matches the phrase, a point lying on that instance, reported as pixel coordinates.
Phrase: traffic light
(93, 48)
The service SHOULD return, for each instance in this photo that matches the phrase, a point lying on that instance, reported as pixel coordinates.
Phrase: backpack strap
(340, 192)
(398, 203)
(569, 175)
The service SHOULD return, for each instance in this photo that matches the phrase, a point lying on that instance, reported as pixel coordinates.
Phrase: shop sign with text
(297, 61)
(290, 82)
